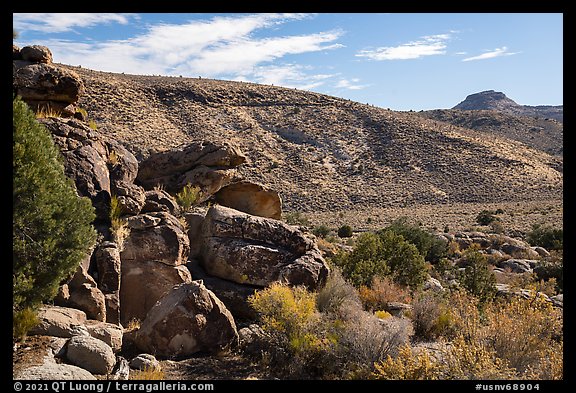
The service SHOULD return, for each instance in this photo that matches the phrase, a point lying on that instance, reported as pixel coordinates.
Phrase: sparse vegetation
(546, 236)
(382, 254)
(188, 197)
(477, 278)
(296, 218)
(345, 231)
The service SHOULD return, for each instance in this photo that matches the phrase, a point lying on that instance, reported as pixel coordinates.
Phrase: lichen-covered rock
(204, 164)
(46, 82)
(254, 250)
(187, 320)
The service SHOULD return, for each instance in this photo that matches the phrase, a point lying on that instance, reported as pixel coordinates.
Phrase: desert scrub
(345, 231)
(407, 365)
(149, 373)
(188, 196)
(300, 345)
(546, 236)
(432, 318)
(381, 292)
(382, 254)
(477, 277)
(296, 218)
(430, 246)
(118, 226)
(22, 321)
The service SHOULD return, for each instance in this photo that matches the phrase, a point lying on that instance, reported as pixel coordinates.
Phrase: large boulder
(59, 322)
(36, 54)
(91, 354)
(251, 198)
(144, 283)
(203, 164)
(187, 320)
(156, 236)
(258, 251)
(55, 372)
(47, 82)
(131, 198)
(234, 296)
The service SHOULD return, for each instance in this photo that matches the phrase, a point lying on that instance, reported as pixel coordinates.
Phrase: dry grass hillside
(325, 154)
(541, 133)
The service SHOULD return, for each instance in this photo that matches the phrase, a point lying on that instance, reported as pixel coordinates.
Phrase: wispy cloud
(58, 23)
(350, 84)
(425, 46)
(498, 52)
(221, 47)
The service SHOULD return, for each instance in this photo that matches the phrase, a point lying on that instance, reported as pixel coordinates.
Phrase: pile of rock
(149, 272)
(41, 84)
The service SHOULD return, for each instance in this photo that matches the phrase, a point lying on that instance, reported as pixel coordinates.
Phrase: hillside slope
(321, 153)
(540, 133)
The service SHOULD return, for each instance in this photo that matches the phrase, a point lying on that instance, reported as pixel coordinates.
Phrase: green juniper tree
(51, 224)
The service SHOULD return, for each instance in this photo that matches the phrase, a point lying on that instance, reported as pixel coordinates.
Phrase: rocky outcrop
(258, 251)
(36, 54)
(187, 320)
(85, 160)
(202, 164)
(152, 262)
(251, 198)
(158, 237)
(233, 295)
(44, 86)
(108, 264)
(91, 354)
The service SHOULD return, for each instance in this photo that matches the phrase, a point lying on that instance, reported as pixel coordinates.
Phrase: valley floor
(517, 216)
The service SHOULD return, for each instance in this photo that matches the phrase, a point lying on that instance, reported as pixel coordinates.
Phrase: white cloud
(350, 84)
(287, 75)
(57, 23)
(221, 47)
(426, 46)
(498, 52)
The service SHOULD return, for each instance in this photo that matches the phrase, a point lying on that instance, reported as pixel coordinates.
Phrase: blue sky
(398, 61)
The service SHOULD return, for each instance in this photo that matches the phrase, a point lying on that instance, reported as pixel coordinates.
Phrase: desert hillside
(322, 153)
